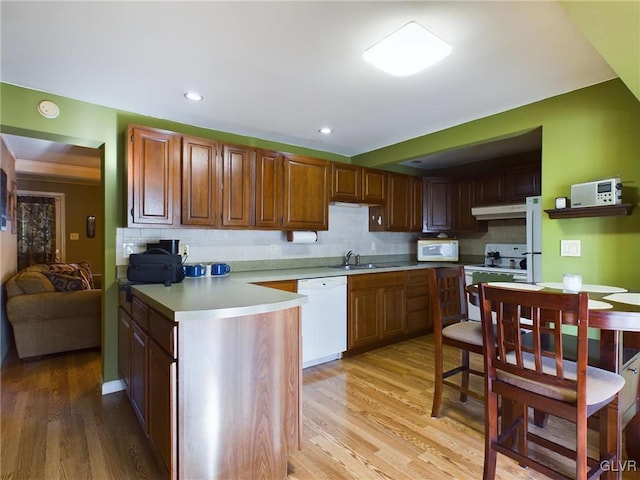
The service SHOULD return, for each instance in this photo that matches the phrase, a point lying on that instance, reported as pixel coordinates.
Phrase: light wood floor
(365, 417)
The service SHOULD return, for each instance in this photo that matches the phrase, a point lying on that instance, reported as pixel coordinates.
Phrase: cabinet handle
(634, 370)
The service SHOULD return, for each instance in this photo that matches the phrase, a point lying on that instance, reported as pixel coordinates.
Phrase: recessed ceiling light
(193, 96)
(406, 51)
(325, 130)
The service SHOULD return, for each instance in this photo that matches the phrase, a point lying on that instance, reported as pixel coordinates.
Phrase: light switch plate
(570, 248)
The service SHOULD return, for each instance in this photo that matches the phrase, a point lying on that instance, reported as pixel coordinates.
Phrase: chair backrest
(533, 350)
(448, 296)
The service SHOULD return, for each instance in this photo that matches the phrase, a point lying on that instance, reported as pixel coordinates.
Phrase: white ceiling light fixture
(193, 96)
(325, 130)
(406, 51)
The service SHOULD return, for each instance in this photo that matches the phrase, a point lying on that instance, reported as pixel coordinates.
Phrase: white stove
(505, 258)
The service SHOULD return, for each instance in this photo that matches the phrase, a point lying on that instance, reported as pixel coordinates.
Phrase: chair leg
(438, 367)
(465, 374)
(611, 438)
(490, 435)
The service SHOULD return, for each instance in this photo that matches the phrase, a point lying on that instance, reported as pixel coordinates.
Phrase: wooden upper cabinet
(306, 193)
(490, 189)
(346, 182)
(523, 182)
(438, 208)
(399, 201)
(200, 182)
(415, 220)
(374, 185)
(153, 176)
(268, 186)
(464, 200)
(238, 192)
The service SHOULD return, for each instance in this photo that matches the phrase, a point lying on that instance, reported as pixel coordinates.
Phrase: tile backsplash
(348, 230)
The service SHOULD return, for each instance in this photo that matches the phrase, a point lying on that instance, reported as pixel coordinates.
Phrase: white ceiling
(281, 70)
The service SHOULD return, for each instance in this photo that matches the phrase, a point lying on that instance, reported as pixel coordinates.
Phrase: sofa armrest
(53, 305)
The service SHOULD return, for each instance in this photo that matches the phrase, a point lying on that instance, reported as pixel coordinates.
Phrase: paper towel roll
(302, 237)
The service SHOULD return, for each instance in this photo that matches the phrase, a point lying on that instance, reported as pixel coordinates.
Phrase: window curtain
(36, 222)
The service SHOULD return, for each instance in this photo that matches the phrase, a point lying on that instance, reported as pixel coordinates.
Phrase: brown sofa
(46, 320)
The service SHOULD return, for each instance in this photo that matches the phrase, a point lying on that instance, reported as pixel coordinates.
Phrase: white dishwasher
(324, 319)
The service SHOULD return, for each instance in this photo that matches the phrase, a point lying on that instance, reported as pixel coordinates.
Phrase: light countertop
(234, 295)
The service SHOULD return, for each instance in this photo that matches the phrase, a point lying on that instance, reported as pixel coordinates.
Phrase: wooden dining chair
(537, 375)
(452, 327)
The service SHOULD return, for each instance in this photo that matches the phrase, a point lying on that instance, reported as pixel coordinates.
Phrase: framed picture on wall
(3, 200)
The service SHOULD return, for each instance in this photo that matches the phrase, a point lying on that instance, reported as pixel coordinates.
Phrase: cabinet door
(306, 193)
(162, 407)
(268, 189)
(153, 176)
(374, 184)
(346, 183)
(399, 202)
(138, 384)
(200, 184)
(415, 222)
(490, 189)
(437, 211)
(124, 348)
(364, 316)
(463, 221)
(238, 192)
(523, 182)
(393, 310)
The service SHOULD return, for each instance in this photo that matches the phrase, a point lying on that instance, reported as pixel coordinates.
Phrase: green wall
(588, 134)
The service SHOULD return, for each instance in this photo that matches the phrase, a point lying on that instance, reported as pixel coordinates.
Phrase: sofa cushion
(30, 282)
(60, 274)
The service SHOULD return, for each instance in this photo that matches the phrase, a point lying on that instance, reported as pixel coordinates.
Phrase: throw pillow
(81, 270)
(66, 283)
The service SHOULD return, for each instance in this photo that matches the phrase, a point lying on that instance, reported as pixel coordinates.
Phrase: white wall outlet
(127, 249)
(74, 236)
(373, 246)
(185, 250)
(570, 248)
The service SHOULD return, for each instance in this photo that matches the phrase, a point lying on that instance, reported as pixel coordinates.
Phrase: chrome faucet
(347, 257)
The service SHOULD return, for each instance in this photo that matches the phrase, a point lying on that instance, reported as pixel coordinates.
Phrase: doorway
(40, 221)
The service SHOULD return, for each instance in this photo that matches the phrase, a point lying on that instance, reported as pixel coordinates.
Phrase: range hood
(499, 212)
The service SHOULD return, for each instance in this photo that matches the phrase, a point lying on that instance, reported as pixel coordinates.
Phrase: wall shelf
(581, 212)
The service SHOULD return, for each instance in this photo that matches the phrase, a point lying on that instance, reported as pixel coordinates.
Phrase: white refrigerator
(533, 254)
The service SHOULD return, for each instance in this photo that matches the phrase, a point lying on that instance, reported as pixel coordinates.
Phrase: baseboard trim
(112, 387)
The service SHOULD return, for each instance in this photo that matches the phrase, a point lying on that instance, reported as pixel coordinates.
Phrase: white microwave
(437, 250)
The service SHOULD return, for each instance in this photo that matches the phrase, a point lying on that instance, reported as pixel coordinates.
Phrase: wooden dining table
(619, 351)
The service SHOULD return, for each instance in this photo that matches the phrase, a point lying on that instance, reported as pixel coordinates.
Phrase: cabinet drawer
(374, 280)
(630, 392)
(140, 313)
(163, 332)
(415, 277)
(416, 304)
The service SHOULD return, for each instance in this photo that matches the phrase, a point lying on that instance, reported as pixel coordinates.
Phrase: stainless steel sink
(364, 266)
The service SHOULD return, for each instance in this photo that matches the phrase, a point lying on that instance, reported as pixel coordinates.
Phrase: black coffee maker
(171, 246)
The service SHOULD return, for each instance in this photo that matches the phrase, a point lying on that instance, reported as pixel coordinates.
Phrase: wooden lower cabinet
(162, 407)
(138, 383)
(376, 309)
(385, 308)
(419, 316)
(190, 391)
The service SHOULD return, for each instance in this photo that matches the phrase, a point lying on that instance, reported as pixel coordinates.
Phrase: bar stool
(452, 327)
(537, 375)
